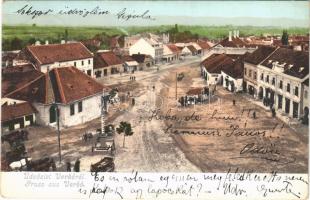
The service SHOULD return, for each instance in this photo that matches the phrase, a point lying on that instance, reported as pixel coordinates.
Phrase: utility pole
(58, 130)
(176, 86)
(103, 110)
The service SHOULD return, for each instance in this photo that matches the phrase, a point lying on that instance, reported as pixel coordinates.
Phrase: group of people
(76, 167)
(132, 78)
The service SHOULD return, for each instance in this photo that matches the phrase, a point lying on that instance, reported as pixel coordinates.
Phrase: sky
(229, 12)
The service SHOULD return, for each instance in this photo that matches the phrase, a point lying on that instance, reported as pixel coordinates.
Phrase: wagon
(104, 165)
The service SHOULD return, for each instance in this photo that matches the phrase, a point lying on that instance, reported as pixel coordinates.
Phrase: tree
(176, 29)
(284, 38)
(126, 129)
(16, 43)
(66, 34)
(31, 41)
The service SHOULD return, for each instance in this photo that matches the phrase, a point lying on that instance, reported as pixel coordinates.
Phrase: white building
(149, 47)
(280, 79)
(211, 68)
(76, 95)
(233, 76)
(50, 56)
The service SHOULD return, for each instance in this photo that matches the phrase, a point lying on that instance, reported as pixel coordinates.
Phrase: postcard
(155, 99)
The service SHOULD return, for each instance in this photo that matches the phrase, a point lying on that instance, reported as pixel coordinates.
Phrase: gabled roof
(141, 58)
(216, 62)
(173, 48)
(259, 54)
(295, 63)
(10, 112)
(60, 85)
(203, 45)
(235, 69)
(235, 42)
(47, 54)
(192, 48)
(105, 59)
(14, 78)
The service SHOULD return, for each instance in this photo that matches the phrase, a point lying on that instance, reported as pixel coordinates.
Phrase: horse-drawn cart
(104, 165)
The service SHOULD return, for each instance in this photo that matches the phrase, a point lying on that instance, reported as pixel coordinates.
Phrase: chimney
(46, 42)
(229, 36)
(37, 43)
(237, 33)
(62, 42)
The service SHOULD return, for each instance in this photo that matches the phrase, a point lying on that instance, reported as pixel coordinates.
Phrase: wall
(79, 65)
(142, 47)
(91, 110)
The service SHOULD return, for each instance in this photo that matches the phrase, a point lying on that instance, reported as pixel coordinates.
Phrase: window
(74, 64)
(288, 87)
(296, 91)
(262, 77)
(80, 105)
(273, 81)
(89, 62)
(245, 71)
(255, 75)
(82, 62)
(267, 78)
(281, 84)
(72, 109)
(250, 73)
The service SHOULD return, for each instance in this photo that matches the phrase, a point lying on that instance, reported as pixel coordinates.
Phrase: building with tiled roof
(276, 76)
(47, 57)
(232, 45)
(171, 53)
(233, 75)
(77, 96)
(212, 66)
(107, 63)
(148, 46)
(16, 114)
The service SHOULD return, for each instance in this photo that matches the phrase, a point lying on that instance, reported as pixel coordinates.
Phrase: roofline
(62, 94)
(24, 85)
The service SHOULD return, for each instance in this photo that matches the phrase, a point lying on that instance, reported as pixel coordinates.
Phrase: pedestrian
(153, 87)
(254, 115)
(68, 167)
(273, 111)
(77, 165)
(133, 102)
(234, 102)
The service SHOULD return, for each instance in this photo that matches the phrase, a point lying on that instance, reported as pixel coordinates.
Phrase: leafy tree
(126, 129)
(284, 38)
(32, 40)
(16, 43)
(176, 29)
(66, 34)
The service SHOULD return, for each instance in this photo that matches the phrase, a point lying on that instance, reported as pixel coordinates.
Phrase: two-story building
(149, 47)
(47, 57)
(281, 78)
(251, 62)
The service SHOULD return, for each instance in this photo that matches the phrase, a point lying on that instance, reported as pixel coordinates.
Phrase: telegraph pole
(103, 110)
(58, 130)
(176, 86)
